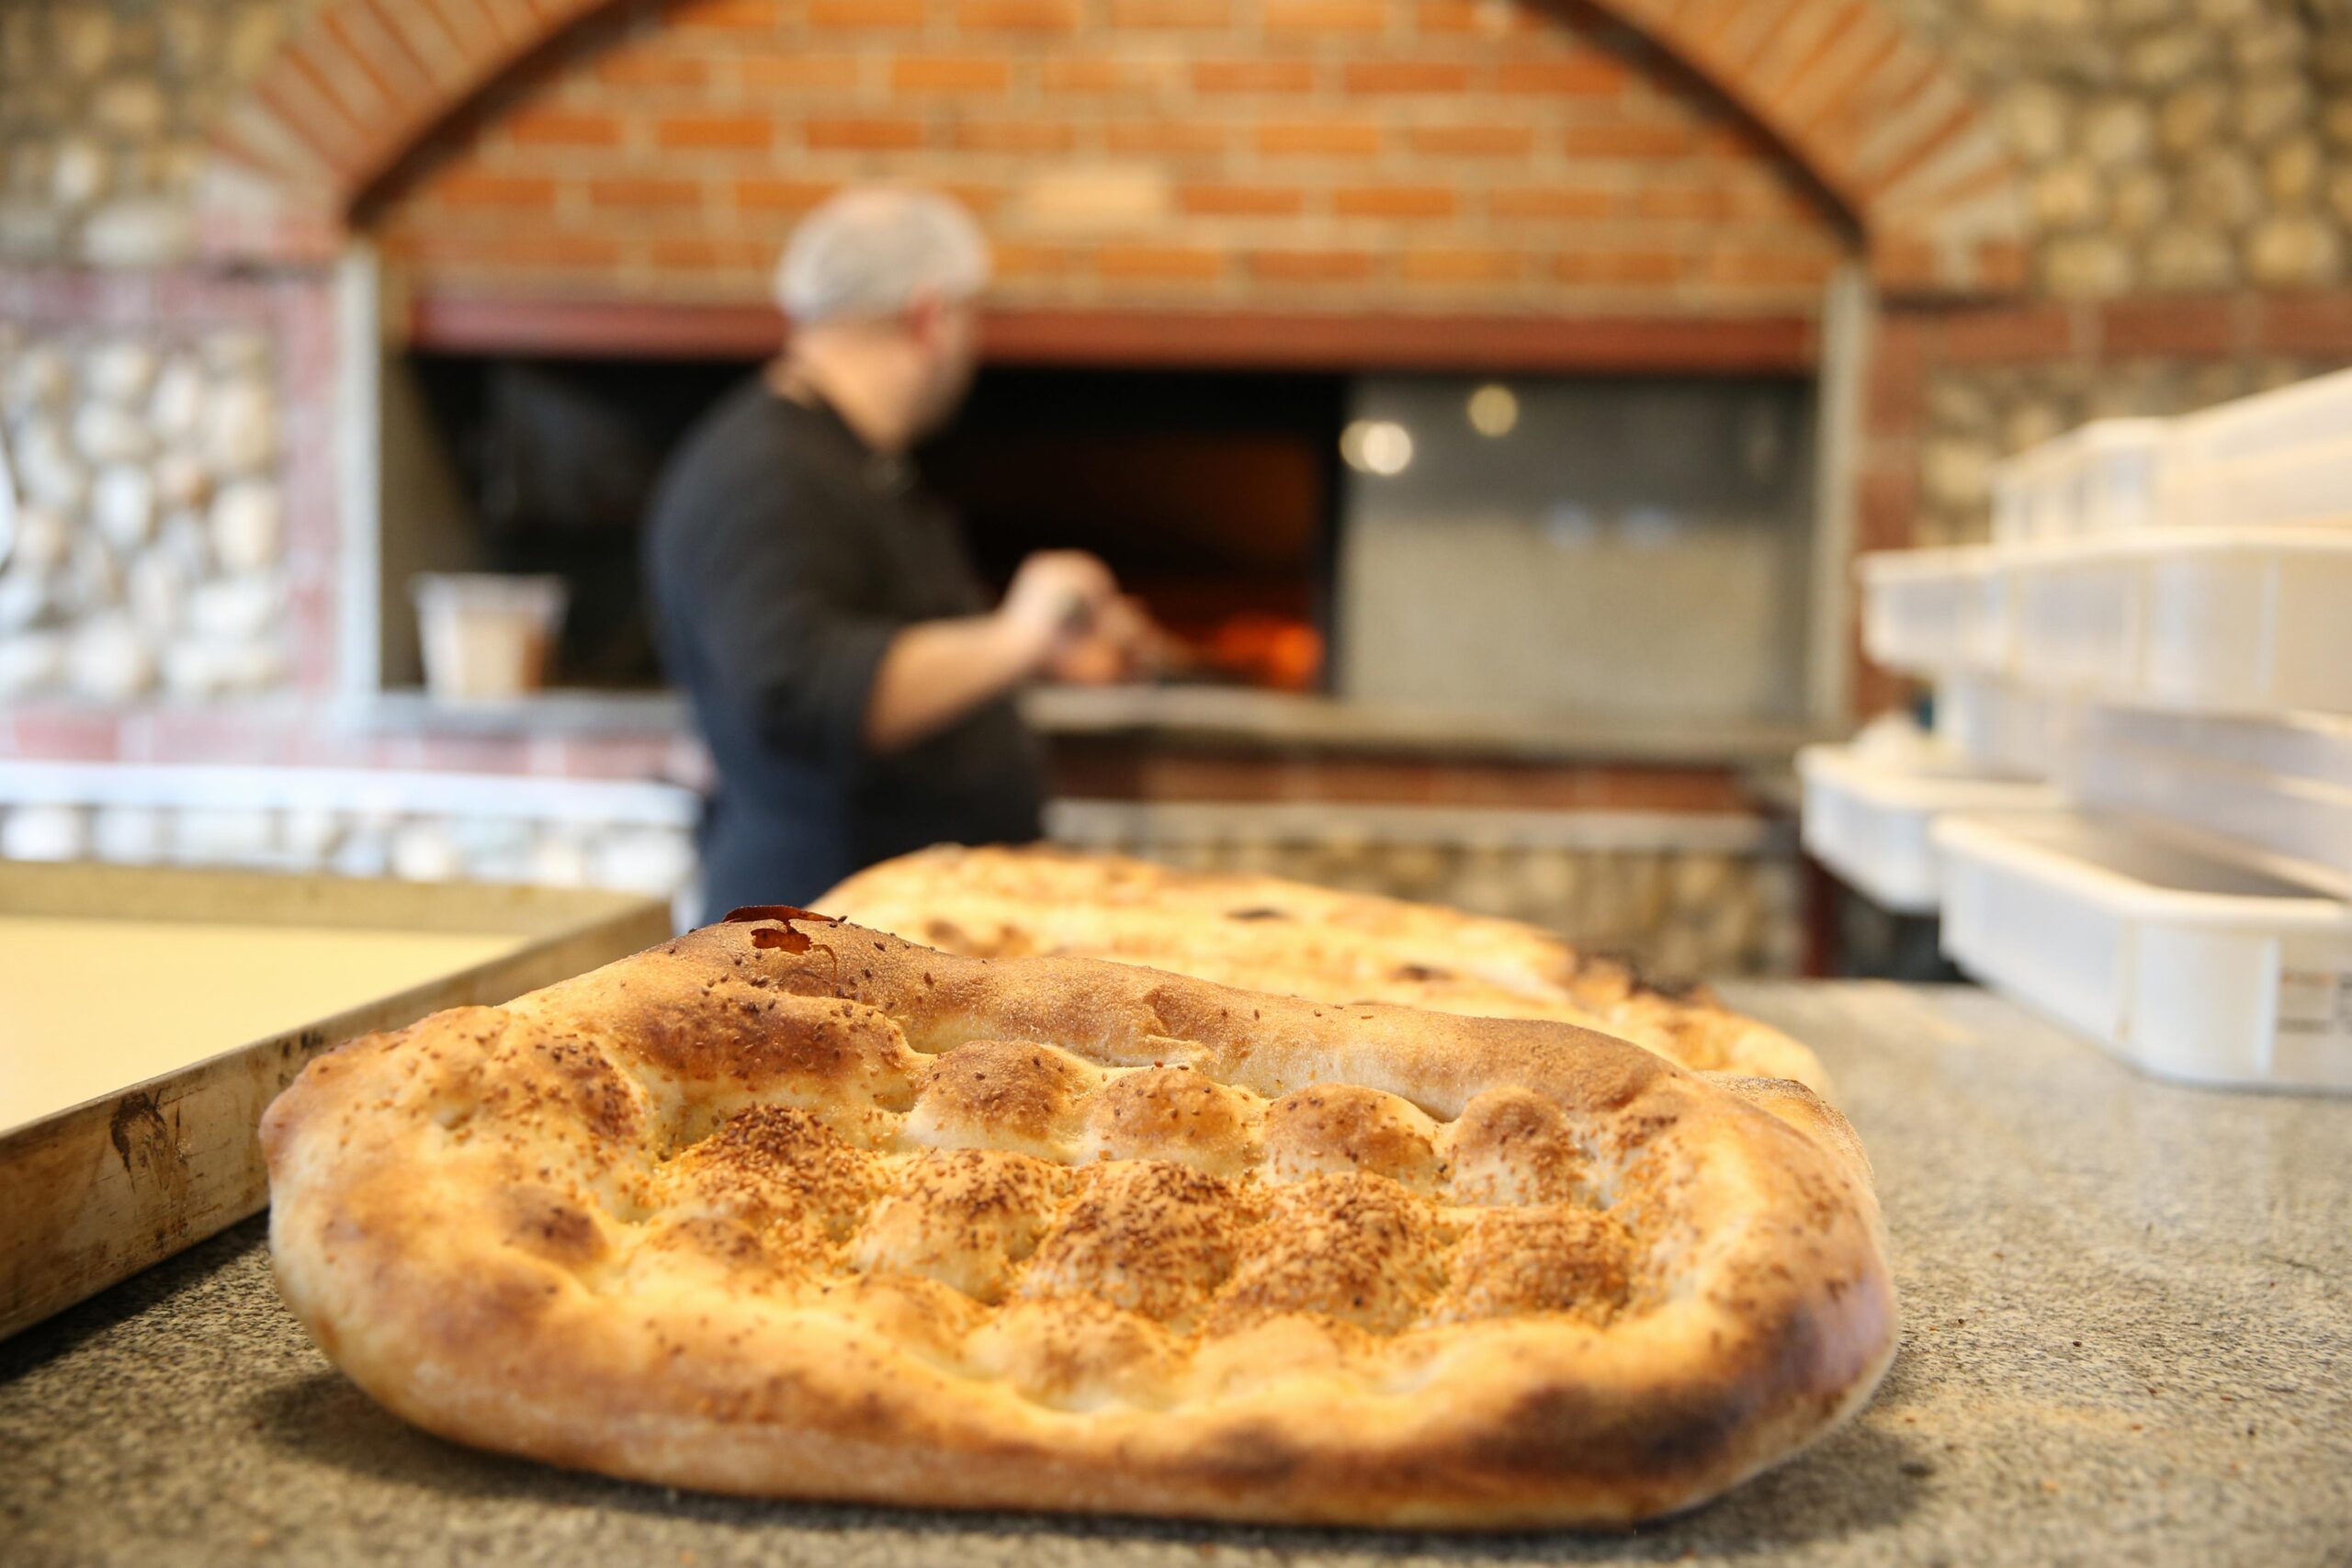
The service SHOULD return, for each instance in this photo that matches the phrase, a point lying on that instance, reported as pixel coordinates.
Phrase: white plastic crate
(2181, 966)
(2013, 499)
(1935, 609)
(2307, 413)
(2306, 486)
(1997, 724)
(1868, 820)
(2100, 479)
(2275, 794)
(2078, 617)
(2281, 457)
(2029, 493)
(2247, 620)
(2110, 477)
(2228, 619)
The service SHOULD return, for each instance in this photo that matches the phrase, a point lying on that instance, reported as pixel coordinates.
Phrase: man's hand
(934, 673)
(1123, 644)
(1053, 604)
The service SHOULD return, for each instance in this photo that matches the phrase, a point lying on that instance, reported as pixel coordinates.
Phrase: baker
(820, 608)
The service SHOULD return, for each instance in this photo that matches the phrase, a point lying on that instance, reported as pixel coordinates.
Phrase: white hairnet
(872, 252)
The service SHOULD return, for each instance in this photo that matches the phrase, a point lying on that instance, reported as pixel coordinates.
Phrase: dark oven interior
(1213, 496)
(1626, 546)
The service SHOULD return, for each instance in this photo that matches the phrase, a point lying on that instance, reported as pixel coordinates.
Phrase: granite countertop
(2127, 1338)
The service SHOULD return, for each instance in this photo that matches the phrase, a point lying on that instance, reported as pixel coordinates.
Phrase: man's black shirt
(782, 556)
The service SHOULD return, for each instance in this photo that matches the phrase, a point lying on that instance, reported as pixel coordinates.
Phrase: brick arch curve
(1886, 126)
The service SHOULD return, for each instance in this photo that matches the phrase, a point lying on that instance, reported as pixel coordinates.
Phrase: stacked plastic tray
(1871, 812)
(2205, 620)
(2161, 629)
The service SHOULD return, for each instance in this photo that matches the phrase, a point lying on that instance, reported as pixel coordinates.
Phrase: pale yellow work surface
(91, 1006)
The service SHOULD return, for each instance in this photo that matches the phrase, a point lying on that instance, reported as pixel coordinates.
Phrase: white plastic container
(2112, 478)
(2031, 490)
(2247, 620)
(2306, 486)
(2272, 794)
(2076, 622)
(1935, 609)
(2307, 413)
(487, 636)
(2278, 459)
(2234, 620)
(1869, 820)
(2179, 964)
(2103, 477)
(2012, 500)
(1999, 726)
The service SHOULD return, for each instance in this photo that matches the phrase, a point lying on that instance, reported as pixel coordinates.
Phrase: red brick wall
(1331, 153)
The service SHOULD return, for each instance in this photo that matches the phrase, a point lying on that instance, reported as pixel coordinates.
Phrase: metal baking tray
(148, 1016)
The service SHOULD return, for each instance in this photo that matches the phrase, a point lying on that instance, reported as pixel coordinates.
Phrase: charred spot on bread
(754, 912)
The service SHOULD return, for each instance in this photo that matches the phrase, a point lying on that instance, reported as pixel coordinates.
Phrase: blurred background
(1493, 396)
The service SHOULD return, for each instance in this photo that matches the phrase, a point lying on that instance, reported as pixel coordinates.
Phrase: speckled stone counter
(2128, 1338)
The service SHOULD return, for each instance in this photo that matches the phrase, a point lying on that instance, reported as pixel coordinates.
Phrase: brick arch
(1888, 129)
(1885, 126)
(359, 84)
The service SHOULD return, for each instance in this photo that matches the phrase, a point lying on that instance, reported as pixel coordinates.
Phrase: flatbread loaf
(792, 1208)
(1267, 934)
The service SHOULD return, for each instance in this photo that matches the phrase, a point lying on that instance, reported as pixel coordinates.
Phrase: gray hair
(870, 253)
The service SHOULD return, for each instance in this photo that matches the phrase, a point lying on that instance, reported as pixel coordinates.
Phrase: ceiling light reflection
(1494, 409)
(1379, 447)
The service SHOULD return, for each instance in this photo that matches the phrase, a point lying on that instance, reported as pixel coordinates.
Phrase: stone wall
(170, 437)
(105, 107)
(147, 550)
(2169, 145)
(421, 846)
(627, 836)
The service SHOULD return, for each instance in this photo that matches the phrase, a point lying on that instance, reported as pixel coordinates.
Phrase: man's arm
(935, 671)
(768, 590)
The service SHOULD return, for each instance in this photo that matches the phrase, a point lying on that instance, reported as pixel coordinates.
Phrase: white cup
(486, 636)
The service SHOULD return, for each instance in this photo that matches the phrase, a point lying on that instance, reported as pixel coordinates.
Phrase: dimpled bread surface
(793, 1208)
(1264, 933)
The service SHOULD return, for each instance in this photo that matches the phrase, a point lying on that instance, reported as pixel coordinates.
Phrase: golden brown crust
(868, 1221)
(1266, 934)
